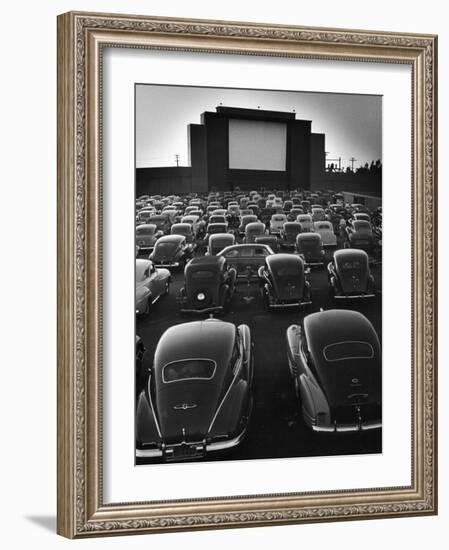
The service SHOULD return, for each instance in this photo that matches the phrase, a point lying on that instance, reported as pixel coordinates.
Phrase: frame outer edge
(66, 287)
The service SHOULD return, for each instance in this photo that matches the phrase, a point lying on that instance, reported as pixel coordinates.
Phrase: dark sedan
(246, 258)
(350, 275)
(209, 285)
(198, 399)
(171, 251)
(284, 283)
(335, 360)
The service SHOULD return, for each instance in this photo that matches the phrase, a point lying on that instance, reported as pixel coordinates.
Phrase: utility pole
(177, 160)
(352, 160)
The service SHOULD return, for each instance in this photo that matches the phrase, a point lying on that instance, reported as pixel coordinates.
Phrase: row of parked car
(199, 394)
(211, 281)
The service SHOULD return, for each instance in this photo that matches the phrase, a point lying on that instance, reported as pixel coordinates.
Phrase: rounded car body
(171, 251)
(269, 240)
(360, 235)
(209, 285)
(146, 236)
(218, 241)
(198, 399)
(288, 234)
(306, 222)
(253, 230)
(277, 223)
(326, 231)
(310, 247)
(349, 275)
(151, 284)
(283, 282)
(334, 358)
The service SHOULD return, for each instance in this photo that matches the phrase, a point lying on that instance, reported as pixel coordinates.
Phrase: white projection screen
(257, 145)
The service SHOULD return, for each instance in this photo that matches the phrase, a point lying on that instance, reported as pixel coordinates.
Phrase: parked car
(151, 284)
(288, 234)
(215, 228)
(360, 235)
(254, 230)
(277, 222)
(349, 275)
(244, 221)
(246, 258)
(161, 222)
(146, 236)
(140, 373)
(283, 282)
(184, 229)
(318, 214)
(194, 221)
(310, 247)
(171, 251)
(198, 399)
(326, 232)
(209, 285)
(218, 241)
(306, 222)
(334, 358)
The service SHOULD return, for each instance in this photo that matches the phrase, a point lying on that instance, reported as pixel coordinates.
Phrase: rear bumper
(289, 304)
(198, 449)
(334, 428)
(212, 309)
(353, 297)
(169, 264)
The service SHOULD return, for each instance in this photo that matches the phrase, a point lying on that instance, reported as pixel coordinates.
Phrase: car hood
(165, 252)
(186, 410)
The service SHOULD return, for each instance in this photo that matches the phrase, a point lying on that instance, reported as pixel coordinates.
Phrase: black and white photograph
(258, 274)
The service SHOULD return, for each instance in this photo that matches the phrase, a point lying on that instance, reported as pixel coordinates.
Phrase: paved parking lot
(276, 427)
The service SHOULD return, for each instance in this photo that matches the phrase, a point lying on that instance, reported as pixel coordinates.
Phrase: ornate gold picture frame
(82, 39)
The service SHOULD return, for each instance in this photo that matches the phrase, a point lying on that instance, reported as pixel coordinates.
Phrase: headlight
(200, 297)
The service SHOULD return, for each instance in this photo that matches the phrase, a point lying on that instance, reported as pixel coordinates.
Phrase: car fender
(147, 430)
(245, 334)
(233, 410)
(293, 342)
(313, 401)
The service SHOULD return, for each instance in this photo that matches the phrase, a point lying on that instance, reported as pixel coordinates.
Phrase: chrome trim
(152, 408)
(204, 310)
(148, 453)
(364, 426)
(228, 444)
(352, 297)
(296, 304)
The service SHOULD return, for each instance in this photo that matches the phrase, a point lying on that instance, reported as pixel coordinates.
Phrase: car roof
(336, 326)
(350, 253)
(170, 239)
(210, 339)
(214, 262)
(276, 259)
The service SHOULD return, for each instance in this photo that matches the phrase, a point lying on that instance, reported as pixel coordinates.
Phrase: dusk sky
(352, 123)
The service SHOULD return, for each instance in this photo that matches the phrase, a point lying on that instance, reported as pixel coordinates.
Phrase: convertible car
(151, 284)
(246, 258)
(349, 275)
(198, 399)
(209, 285)
(310, 247)
(283, 282)
(171, 251)
(334, 358)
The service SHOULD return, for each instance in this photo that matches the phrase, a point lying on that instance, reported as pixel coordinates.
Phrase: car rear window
(145, 230)
(348, 350)
(188, 369)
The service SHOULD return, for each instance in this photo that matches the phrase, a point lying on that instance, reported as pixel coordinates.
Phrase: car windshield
(342, 351)
(279, 218)
(148, 230)
(216, 228)
(362, 225)
(188, 369)
(324, 226)
(181, 230)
